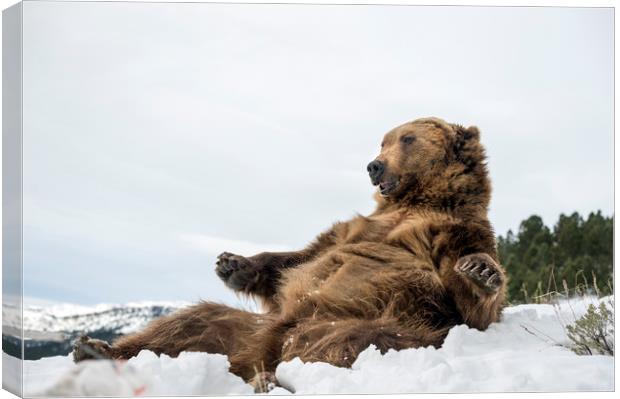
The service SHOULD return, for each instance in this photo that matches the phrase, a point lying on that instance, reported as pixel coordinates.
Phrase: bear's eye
(407, 139)
(382, 144)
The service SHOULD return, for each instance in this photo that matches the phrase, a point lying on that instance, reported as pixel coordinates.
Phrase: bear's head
(434, 163)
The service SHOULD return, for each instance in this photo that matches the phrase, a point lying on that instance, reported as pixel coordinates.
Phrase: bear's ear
(466, 145)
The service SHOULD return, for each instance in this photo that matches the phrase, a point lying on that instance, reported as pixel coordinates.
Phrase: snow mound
(522, 353)
(504, 358)
(192, 373)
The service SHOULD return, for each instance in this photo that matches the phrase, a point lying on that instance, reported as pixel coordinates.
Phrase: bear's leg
(337, 341)
(340, 341)
(206, 327)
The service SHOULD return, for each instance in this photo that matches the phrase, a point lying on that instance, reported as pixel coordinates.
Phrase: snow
(505, 358)
(191, 373)
(522, 353)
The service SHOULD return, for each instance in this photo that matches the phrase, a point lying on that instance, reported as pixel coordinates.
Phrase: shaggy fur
(423, 261)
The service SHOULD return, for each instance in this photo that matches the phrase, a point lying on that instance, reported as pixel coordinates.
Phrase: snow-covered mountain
(49, 329)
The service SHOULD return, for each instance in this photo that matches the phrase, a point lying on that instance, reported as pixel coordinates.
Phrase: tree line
(576, 254)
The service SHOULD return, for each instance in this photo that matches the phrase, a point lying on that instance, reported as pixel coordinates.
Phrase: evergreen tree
(538, 259)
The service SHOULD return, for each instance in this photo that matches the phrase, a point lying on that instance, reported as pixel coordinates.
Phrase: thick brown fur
(423, 261)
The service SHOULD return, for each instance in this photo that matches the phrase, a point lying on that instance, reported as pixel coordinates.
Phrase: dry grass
(590, 334)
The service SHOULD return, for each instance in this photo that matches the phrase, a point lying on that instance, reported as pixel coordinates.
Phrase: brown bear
(424, 261)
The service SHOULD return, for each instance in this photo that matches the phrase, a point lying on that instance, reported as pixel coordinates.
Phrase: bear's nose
(375, 170)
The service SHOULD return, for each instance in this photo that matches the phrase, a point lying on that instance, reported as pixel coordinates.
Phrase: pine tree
(537, 259)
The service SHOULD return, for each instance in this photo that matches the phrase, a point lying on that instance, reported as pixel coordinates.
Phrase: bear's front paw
(482, 270)
(85, 348)
(235, 270)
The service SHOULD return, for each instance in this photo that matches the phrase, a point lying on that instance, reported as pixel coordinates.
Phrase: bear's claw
(264, 382)
(482, 270)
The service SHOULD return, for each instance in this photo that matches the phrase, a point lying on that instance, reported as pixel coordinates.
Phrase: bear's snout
(375, 170)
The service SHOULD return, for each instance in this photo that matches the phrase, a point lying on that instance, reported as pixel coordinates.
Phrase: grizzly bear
(424, 261)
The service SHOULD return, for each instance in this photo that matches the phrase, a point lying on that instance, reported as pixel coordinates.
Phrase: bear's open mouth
(386, 187)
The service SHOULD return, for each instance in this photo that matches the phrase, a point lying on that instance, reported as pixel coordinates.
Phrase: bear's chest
(366, 248)
(400, 228)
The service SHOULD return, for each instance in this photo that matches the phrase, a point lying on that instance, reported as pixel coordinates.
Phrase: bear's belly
(354, 279)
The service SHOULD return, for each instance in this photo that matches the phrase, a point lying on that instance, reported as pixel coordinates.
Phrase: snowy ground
(521, 353)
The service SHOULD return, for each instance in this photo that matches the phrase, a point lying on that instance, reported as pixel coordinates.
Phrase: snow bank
(191, 373)
(521, 353)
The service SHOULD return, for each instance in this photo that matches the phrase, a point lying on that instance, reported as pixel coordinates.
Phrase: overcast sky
(159, 135)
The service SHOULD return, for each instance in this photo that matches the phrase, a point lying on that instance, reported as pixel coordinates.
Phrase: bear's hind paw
(85, 348)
